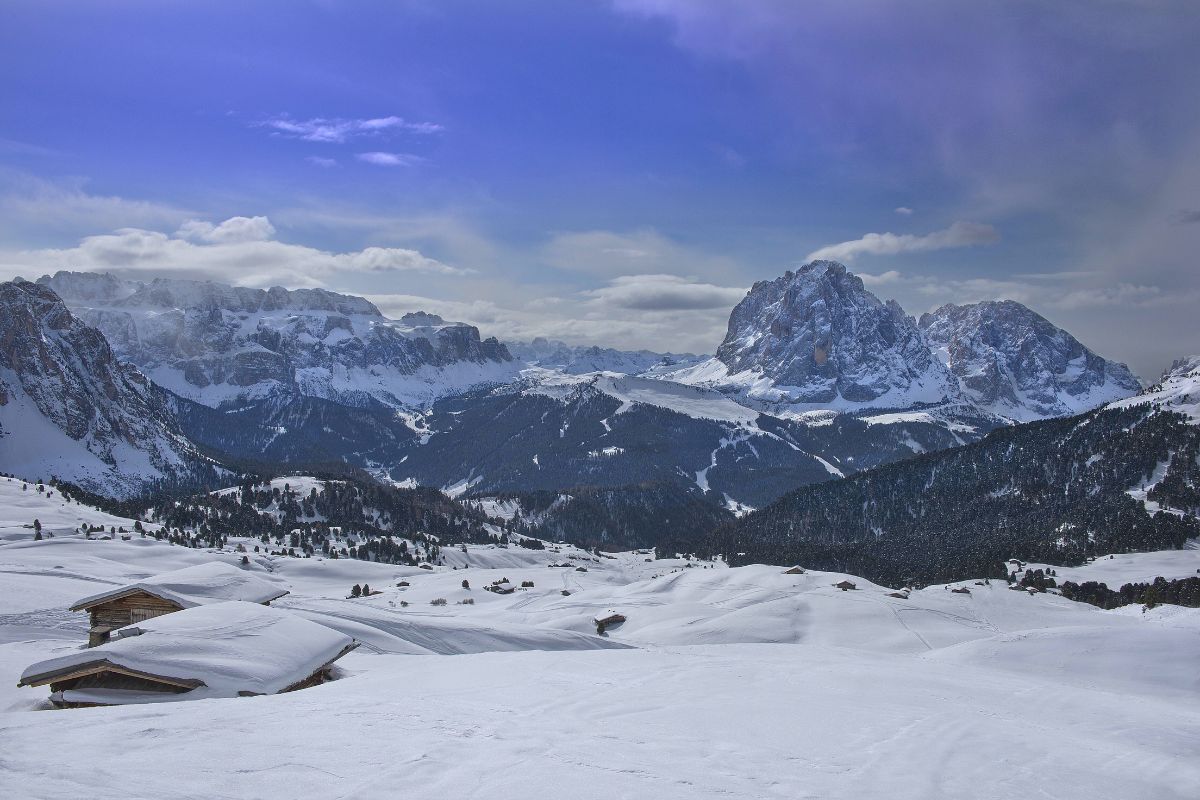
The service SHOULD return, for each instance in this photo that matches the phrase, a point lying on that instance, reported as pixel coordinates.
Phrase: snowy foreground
(743, 683)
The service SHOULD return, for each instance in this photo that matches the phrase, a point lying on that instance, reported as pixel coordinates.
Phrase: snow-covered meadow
(743, 683)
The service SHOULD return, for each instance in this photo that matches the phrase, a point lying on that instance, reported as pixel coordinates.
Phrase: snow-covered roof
(226, 648)
(213, 582)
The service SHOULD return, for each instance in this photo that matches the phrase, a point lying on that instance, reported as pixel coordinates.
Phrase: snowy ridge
(217, 344)
(691, 401)
(1013, 362)
(1178, 390)
(70, 409)
(816, 338)
(576, 360)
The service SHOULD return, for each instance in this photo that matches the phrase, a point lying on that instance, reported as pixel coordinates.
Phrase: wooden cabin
(796, 570)
(169, 592)
(845, 586)
(195, 653)
(607, 619)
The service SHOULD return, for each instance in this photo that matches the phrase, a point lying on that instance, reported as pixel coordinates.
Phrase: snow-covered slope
(556, 431)
(218, 344)
(70, 409)
(1178, 390)
(816, 338)
(1015, 363)
(22, 502)
(808, 690)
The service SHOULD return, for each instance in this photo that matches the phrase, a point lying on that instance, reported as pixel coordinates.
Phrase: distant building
(230, 649)
(151, 597)
(845, 586)
(608, 618)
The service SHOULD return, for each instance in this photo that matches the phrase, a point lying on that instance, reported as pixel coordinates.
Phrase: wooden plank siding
(122, 611)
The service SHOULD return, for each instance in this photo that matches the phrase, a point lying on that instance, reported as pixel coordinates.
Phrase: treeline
(652, 514)
(1178, 592)
(1054, 491)
(349, 517)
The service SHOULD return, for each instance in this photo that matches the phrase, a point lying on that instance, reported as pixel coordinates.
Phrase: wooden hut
(226, 649)
(796, 570)
(845, 586)
(607, 619)
(151, 597)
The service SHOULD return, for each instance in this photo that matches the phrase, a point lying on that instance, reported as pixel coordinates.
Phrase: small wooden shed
(219, 650)
(169, 592)
(845, 586)
(796, 570)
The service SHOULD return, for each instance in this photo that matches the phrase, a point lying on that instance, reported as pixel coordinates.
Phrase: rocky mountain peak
(215, 344)
(1014, 362)
(69, 408)
(820, 337)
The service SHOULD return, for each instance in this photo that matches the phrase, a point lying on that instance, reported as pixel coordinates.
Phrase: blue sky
(618, 172)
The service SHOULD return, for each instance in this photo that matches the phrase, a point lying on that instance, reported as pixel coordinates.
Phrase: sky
(618, 172)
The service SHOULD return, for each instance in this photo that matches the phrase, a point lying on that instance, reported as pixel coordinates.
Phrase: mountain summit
(817, 337)
(1015, 363)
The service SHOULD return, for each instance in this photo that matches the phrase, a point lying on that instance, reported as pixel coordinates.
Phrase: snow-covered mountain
(1013, 362)
(70, 409)
(577, 360)
(1119, 478)
(1177, 390)
(216, 344)
(555, 431)
(817, 339)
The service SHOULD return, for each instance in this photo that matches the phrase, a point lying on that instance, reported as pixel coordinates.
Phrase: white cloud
(234, 229)
(664, 293)
(239, 250)
(960, 234)
(391, 159)
(904, 211)
(339, 130)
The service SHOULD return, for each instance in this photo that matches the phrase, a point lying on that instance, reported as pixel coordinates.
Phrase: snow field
(732, 683)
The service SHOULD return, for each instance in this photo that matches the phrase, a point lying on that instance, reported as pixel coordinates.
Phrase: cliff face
(1017, 364)
(69, 408)
(216, 344)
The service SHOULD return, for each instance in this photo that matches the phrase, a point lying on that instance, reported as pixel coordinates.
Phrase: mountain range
(1123, 477)
(816, 379)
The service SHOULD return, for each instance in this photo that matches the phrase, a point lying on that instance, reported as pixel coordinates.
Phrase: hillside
(1116, 480)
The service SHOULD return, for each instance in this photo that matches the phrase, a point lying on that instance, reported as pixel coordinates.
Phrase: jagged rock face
(1015, 363)
(214, 343)
(69, 408)
(820, 337)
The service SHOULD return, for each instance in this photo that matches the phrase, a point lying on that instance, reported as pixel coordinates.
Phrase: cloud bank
(239, 250)
(960, 234)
